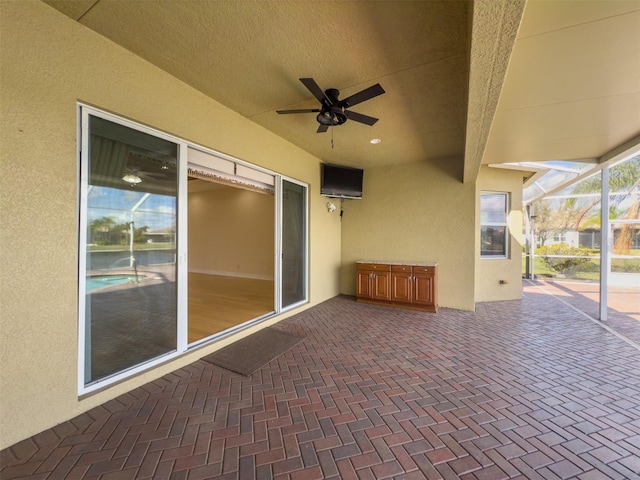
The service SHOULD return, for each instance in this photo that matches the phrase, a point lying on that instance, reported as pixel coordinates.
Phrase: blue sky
(156, 212)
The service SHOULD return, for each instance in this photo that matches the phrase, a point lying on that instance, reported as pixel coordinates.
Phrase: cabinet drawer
(378, 267)
(428, 270)
(401, 268)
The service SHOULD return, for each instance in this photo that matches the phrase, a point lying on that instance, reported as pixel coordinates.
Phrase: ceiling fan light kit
(334, 111)
(131, 178)
(331, 118)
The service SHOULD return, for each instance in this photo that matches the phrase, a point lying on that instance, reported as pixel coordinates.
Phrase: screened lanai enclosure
(582, 227)
(180, 246)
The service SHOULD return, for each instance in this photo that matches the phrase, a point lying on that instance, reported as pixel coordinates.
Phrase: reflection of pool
(98, 281)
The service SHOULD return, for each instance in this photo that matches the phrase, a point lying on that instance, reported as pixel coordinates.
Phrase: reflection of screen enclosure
(130, 287)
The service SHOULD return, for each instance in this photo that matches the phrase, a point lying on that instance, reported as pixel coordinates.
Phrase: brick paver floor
(623, 312)
(518, 389)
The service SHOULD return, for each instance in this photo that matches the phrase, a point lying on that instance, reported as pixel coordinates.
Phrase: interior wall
(490, 271)
(414, 212)
(47, 64)
(231, 232)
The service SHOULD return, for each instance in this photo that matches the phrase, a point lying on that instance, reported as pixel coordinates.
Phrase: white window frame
(504, 224)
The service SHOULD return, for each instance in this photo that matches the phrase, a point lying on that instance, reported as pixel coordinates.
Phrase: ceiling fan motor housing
(331, 114)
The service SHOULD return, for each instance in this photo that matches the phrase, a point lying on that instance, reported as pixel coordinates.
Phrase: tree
(550, 221)
(138, 235)
(623, 243)
(100, 229)
(624, 177)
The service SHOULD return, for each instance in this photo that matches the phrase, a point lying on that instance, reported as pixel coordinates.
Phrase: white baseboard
(253, 276)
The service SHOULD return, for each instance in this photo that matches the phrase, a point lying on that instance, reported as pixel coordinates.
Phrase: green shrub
(565, 262)
(625, 265)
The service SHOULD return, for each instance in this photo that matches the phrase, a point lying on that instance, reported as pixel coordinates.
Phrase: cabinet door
(381, 286)
(364, 283)
(423, 289)
(401, 290)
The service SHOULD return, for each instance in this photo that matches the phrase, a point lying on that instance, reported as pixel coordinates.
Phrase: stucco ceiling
(571, 88)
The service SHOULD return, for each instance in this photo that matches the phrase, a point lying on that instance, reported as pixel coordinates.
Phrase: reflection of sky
(156, 212)
(493, 208)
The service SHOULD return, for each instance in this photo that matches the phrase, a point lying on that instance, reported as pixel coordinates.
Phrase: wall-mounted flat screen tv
(341, 182)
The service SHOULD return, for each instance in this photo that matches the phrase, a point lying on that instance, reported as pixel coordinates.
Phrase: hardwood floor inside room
(218, 302)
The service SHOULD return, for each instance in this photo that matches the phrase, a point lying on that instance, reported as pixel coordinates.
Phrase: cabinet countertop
(417, 264)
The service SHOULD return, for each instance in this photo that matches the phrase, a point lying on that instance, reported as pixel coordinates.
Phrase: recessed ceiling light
(375, 141)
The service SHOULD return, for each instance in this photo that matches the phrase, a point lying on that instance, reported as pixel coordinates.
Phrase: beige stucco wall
(414, 212)
(491, 271)
(231, 232)
(47, 64)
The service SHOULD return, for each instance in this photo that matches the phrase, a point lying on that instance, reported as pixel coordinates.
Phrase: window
(560, 237)
(494, 232)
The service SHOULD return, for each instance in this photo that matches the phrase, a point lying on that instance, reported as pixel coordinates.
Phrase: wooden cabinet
(374, 282)
(398, 285)
(401, 283)
(424, 286)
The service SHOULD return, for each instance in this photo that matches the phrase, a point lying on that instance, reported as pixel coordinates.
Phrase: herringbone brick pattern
(521, 389)
(624, 302)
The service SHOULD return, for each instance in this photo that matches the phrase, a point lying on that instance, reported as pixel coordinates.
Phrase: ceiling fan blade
(306, 110)
(314, 88)
(359, 117)
(366, 94)
(322, 128)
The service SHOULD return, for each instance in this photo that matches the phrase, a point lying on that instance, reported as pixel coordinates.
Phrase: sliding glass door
(178, 245)
(294, 243)
(128, 274)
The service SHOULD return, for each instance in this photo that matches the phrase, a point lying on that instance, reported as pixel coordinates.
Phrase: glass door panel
(623, 286)
(294, 243)
(128, 282)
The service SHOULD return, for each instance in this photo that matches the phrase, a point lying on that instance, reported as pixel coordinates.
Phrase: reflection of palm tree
(100, 227)
(624, 177)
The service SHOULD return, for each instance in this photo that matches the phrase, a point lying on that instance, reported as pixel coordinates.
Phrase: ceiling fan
(334, 111)
(141, 167)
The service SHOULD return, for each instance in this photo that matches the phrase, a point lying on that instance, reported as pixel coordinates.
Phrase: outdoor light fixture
(131, 178)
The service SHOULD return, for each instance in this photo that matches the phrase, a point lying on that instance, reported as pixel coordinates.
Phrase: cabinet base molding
(405, 306)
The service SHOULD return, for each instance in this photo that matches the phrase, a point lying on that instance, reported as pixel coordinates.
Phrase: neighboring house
(165, 235)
